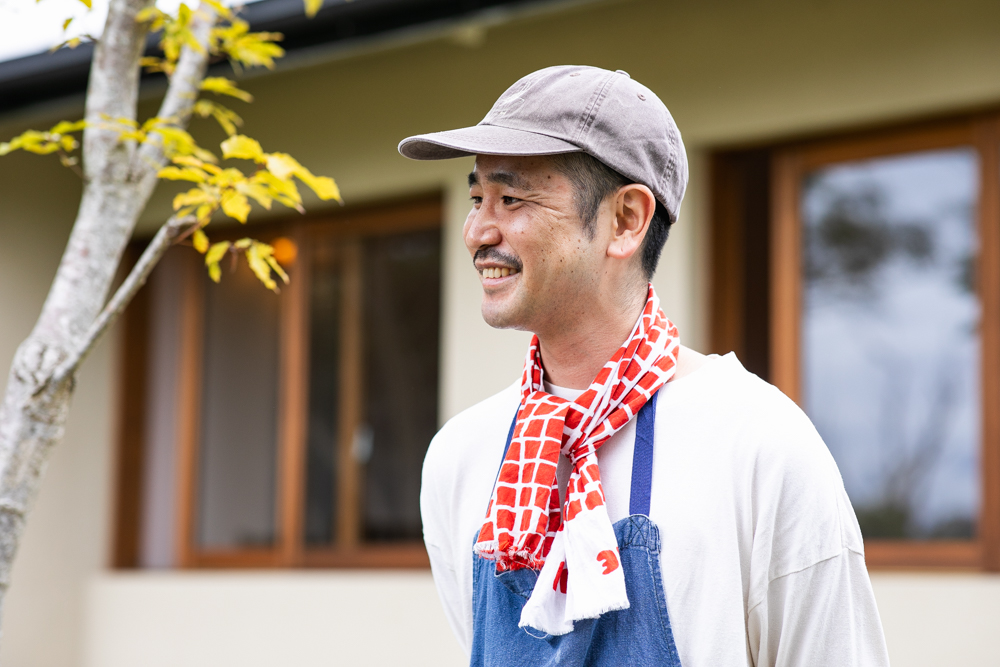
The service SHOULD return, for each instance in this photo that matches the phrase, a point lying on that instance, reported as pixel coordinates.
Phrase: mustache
(492, 254)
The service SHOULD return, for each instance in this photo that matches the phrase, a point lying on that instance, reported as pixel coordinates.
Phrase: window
(287, 429)
(861, 275)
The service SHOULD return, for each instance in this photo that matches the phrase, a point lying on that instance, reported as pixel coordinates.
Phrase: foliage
(226, 190)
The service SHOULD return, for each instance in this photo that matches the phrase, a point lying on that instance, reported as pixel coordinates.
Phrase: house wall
(729, 71)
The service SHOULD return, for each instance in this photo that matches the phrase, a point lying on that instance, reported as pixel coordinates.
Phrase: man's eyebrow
(508, 178)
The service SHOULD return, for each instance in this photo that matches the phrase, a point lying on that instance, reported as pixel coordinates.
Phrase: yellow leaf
(86, 3)
(235, 205)
(183, 174)
(65, 126)
(284, 191)
(220, 8)
(227, 119)
(193, 197)
(277, 268)
(152, 64)
(324, 186)
(282, 165)
(204, 212)
(192, 161)
(67, 22)
(312, 6)
(223, 86)
(243, 147)
(243, 244)
(151, 14)
(200, 241)
(255, 191)
(247, 48)
(216, 252)
(259, 265)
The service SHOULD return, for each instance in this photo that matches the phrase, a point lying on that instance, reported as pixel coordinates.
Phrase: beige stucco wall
(730, 72)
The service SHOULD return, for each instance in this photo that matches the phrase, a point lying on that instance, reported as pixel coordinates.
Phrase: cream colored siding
(731, 72)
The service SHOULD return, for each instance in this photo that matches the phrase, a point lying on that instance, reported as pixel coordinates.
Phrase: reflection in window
(890, 338)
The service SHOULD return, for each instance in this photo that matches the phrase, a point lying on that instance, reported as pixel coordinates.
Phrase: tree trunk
(119, 179)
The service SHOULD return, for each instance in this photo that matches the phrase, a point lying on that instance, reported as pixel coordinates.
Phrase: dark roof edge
(48, 80)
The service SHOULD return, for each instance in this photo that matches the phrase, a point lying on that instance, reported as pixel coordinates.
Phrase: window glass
(239, 413)
(890, 339)
(399, 318)
(324, 394)
(402, 283)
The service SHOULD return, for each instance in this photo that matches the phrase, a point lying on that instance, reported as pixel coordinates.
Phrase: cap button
(621, 71)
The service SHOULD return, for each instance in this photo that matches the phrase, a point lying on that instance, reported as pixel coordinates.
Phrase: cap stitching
(587, 119)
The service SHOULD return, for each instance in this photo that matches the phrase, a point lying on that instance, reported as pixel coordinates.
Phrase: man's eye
(477, 200)
(510, 200)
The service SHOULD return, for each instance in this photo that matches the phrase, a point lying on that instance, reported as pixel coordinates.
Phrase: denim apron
(639, 635)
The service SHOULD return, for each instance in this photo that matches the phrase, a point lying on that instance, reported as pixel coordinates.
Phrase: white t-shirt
(762, 558)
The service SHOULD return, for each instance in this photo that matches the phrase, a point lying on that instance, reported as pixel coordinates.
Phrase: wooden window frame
(347, 228)
(789, 164)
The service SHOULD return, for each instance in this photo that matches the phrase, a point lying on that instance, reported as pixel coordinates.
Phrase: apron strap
(642, 459)
(642, 456)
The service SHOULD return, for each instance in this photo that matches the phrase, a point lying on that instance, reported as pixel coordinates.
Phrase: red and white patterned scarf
(572, 543)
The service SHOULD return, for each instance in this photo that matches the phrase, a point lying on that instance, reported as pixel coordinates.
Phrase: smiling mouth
(497, 272)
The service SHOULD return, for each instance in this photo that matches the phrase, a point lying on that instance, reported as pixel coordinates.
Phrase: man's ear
(634, 208)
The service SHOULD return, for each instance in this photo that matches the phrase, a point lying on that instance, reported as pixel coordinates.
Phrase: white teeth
(504, 273)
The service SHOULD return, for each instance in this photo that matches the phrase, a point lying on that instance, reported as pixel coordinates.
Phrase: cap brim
(482, 140)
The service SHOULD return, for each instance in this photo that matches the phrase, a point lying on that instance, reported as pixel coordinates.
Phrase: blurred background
(240, 476)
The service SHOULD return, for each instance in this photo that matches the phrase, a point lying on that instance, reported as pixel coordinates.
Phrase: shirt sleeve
(823, 615)
(436, 512)
(450, 592)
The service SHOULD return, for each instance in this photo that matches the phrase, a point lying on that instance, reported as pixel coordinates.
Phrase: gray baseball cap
(569, 109)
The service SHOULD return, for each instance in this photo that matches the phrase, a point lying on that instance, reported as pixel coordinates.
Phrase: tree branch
(171, 230)
(185, 84)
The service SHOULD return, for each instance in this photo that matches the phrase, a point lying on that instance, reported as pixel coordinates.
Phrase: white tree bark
(119, 179)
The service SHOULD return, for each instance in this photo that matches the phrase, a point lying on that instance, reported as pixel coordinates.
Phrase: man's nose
(481, 228)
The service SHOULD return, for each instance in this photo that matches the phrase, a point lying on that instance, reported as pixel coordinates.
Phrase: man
(628, 501)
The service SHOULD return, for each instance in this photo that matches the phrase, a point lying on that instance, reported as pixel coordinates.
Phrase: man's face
(524, 222)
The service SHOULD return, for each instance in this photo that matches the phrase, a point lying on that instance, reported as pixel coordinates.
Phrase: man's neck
(573, 356)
